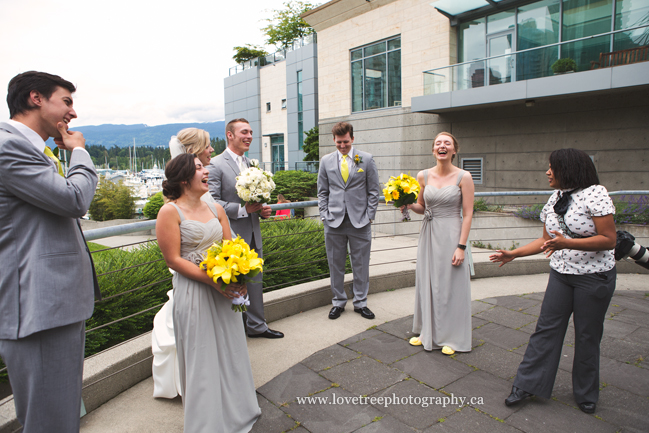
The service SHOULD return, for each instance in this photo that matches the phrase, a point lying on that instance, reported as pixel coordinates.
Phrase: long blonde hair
(195, 140)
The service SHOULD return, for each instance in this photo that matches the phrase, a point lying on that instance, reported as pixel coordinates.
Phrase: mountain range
(154, 136)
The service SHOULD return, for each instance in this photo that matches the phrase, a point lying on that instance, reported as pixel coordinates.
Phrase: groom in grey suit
(244, 220)
(348, 195)
(47, 282)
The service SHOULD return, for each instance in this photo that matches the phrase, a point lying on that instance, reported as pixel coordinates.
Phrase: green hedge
(289, 243)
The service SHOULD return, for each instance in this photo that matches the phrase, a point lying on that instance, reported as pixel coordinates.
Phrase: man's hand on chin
(69, 140)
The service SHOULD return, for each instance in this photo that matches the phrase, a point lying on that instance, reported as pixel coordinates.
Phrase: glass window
(471, 44)
(267, 106)
(376, 77)
(631, 13)
(357, 54)
(283, 104)
(374, 49)
(583, 18)
(501, 21)
(300, 130)
(586, 18)
(300, 109)
(538, 25)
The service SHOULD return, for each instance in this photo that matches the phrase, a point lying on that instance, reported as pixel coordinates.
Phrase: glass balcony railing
(275, 57)
(521, 65)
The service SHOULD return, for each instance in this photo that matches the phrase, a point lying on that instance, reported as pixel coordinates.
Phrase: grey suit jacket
(46, 279)
(222, 180)
(359, 197)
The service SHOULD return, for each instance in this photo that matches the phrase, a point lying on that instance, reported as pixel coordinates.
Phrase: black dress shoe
(268, 333)
(587, 407)
(335, 312)
(517, 396)
(365, 312)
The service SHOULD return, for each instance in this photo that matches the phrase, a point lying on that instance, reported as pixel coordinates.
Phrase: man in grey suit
(244, 220)
(348, 195)
(47, 283)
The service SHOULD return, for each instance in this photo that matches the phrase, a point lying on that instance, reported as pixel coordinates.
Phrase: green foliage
(294, 249)
(481, 205)
(218, 144)
(488, 246)
(532, 212)
(112, 201)
(564, 65)
(312, 145)
(248, 52)
(295, 186)
(152, 207)
(117, 158)
(286, 25)
(152, 269)
(631, 210)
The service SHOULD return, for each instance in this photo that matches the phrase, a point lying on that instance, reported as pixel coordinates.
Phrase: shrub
(152, 281)
(532, 212)
(295, 186)
(152, 207)
(294, 250)
(481, 205)
(564, 65)
(631, 210)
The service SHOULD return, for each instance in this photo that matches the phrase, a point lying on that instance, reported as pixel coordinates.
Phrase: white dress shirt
(242, 209)
(32, 136)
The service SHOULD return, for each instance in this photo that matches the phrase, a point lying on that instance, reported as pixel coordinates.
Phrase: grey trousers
(587, 296)
(255, 319)
(46, 373)
(360, 242)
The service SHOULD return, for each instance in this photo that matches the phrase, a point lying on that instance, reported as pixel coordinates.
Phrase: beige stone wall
(427, 42)
(272, 88)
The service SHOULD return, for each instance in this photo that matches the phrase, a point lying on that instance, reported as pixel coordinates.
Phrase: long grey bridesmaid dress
(442, 291)
(215, 374)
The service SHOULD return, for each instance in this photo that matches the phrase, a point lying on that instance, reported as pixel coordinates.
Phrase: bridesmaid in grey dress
(215, 375)
(442, 286)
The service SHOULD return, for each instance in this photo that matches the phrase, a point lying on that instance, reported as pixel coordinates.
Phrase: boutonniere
(358, 159)
(254, 163)
(360, 170)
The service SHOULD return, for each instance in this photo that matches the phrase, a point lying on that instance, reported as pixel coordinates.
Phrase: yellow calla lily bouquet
(401, 190)
(232, 261)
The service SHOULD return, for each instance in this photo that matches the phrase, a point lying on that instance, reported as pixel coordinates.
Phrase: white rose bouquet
(254, 184)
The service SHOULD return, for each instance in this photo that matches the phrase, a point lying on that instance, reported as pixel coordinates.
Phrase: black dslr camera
(626, 246)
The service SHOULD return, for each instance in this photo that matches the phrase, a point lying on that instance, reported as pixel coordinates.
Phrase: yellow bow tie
(49, 153)
(344, 169)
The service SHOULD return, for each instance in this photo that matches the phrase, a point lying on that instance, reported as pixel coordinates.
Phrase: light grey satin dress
(442, 291)
(215, 375)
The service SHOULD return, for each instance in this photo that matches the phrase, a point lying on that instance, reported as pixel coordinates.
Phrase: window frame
(361, 61)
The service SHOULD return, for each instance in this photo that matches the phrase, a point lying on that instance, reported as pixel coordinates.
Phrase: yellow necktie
(344, 169)
(49, 153)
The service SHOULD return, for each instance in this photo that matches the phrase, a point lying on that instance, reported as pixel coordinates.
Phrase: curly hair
(179, 170)
(573, 168)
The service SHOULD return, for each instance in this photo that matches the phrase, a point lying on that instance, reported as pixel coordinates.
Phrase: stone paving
(380, 363)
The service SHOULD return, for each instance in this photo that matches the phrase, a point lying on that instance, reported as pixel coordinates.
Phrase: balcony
(527, 75)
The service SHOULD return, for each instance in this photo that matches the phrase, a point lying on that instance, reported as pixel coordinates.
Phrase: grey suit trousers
(360, 242)
(46, 373)
(587, 296)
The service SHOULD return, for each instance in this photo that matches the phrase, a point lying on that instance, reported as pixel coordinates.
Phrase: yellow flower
(395, 194)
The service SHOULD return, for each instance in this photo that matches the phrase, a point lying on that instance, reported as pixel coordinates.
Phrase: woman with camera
(579, 236)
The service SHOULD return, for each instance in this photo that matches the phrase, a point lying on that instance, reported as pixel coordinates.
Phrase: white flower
(254, 184)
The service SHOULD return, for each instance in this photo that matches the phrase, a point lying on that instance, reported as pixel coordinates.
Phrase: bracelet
(462, 247)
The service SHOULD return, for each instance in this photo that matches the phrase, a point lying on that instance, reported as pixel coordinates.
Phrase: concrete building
(403, 70)
(278, 95)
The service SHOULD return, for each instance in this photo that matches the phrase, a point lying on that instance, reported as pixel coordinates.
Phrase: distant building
(278, 95)
(404, 70)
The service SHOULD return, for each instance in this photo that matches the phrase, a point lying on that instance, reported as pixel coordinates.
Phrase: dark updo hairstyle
(179, 170)
(573, 168)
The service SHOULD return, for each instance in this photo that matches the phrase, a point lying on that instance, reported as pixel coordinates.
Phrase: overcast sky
(133, 61)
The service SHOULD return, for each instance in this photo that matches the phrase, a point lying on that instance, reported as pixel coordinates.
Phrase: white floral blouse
(584, 204)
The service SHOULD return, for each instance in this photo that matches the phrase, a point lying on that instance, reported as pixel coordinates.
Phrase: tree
(112, 201)
(312, 145)
(248, 52)
(287, 25)
(218, 144)
(152, 207)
